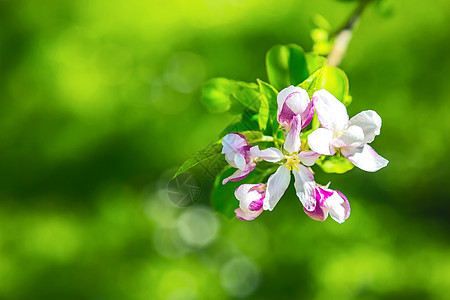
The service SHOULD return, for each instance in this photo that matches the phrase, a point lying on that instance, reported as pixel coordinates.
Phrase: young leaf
(310, 83)
(270, 94)
(264, 111)
(335, 81)
(216, 94)
(334, 164)
(253, 136)
(205, 156)
(245, 97)
(332, 79)
(314, 62)
(286, 65)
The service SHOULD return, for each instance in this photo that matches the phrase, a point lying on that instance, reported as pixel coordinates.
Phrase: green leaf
(245, 122)
(264, 111)
(286, 65)
(321, 22)
(216, 94)
(335, 81)
(269, 104)
(245, 97)
(314, 62)
(332, 79)
(222, 196)
(221, 94)
(210, 154)
(334, 164)
(253, 136)
(311, 82)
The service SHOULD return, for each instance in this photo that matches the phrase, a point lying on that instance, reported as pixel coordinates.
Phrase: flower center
(340, 133)
(292, 162)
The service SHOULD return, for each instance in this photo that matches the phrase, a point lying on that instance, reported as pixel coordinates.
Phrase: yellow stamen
(292, 162)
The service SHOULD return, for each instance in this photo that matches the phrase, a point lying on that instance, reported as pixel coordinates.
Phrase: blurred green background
(99, 103)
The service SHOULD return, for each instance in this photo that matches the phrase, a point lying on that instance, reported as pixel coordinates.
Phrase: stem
(344, 35)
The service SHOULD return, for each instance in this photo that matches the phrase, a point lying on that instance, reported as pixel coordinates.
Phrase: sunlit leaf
(268, 109)
(216, 94)
(335, 81)
(286, 65)
(314, 62)
(332, 79)
(334, 164)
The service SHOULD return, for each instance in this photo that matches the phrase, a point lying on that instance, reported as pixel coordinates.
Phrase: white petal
(246, 194)
(352, 137)
(229, 157)
(370, 122)
(298, 100)
(282, 96)
(304, 187)
(240, 174)
(320, 141)
(247, 216)
(292, 143)
(239, 161)
(338, 207)
(233, 141)
(308, 158)
(365, 158)
(331, 112)
(276, 186)
(270, 154)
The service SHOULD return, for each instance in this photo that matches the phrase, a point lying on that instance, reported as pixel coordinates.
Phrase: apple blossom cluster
(337, 134)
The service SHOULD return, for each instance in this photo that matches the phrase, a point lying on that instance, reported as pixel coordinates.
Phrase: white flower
(240, 155)
(329, 202)
(295, 111)
(251, 197)
(351, 137)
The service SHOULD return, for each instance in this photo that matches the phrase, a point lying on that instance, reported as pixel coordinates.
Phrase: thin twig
(344, 35)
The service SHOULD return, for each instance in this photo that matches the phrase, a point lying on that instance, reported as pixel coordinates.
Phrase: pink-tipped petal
(294, 101)
(331, 112)
(304, 186)
(246, 193)
(308, 158)
(251, 197)
(352, 137)
(247, 216)
(292, 143)
(365, 158)
(276, 186)
(240, 174)
(307, 114)
(270, 154)
(298, 101)
(338, 207)
(233, 141)
(282, 97)
(318, 214)
(370, 122)
(320, 141)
